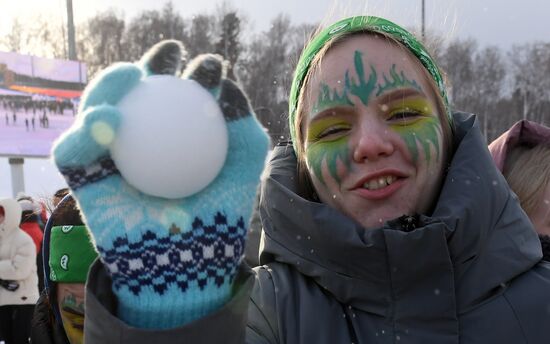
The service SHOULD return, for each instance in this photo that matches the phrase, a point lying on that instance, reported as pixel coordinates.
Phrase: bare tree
(200, 36)
(36, 35)
(228, 44)
(99, 41)
(266, 72)
(13, 40)
(458, 63)
(476, 81)
(531, 79)
(149, 27)
(489, 72)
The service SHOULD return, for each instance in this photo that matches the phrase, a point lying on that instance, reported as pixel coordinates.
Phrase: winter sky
(490, 22)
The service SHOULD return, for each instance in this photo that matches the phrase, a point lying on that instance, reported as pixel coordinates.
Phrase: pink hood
(522, 132)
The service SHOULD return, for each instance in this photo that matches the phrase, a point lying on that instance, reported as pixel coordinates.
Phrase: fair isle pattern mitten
(172, 261)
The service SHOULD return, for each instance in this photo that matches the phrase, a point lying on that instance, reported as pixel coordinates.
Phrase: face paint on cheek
(72, 315)
(74, 334)
(423, 131)
(333, 153)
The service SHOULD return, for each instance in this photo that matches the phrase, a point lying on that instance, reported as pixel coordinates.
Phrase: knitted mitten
(171, 260)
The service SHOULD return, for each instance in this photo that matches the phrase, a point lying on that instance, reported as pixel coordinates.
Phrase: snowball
(172, 140)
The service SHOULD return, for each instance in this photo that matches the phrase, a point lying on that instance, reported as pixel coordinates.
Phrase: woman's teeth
(379, 182)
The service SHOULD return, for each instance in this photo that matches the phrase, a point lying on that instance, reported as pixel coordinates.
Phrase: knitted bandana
(71, 254)
(355, 24)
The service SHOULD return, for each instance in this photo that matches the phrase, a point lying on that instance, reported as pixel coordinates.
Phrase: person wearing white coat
(18, 278)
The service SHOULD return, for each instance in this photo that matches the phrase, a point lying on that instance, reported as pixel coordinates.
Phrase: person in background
(58, 196)
(68, 253)
(18, 276)
(31, 221)
(522, 154)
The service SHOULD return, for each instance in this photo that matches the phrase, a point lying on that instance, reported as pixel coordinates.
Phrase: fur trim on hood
(12, 216)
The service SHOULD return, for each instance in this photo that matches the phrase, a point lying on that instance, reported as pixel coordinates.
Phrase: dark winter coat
(47, 327)
(469, 273)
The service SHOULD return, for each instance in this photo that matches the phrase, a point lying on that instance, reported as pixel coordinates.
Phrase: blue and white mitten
(172, 259)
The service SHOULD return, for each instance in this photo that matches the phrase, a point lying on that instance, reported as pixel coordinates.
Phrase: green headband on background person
(357, 24)
(71, 254)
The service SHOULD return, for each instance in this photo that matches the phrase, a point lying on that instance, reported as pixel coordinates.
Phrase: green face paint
(327, 137)
(330, 98)
(72, 315)
(398, 80)
(322, 148)
(362, 89)
(357, 24)
(422, 129)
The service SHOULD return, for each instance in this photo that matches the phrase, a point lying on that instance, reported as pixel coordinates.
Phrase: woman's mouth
(379, 182)
(380, 185)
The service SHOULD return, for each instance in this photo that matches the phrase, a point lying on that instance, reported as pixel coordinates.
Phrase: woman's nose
(373, 143)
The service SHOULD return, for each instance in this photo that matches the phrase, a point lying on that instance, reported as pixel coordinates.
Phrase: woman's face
(541, 215)
(70, 299)
(373, 137)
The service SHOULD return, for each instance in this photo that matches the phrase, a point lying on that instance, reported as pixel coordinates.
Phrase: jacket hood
(12, 216)
(49, 285)
(476, 240)
(44, 327)
(31, 211)
(521, 133)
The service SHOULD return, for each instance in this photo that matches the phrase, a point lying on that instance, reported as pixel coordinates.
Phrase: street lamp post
(70, 31)
(423, 20)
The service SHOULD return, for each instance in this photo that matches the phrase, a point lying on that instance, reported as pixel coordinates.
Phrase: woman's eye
(404, 115)
(332, 131)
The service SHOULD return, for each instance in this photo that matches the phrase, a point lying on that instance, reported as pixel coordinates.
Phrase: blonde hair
(527, 171)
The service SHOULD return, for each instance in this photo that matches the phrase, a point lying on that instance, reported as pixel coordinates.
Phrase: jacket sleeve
(44, 329)
(227, 325)
(20, 265)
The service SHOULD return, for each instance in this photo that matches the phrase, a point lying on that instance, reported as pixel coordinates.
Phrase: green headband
(71, 254)
(355, 24)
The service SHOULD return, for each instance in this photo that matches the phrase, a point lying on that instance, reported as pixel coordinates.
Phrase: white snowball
(172, 140)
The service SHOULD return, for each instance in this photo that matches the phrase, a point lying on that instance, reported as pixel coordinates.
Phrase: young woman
(523, 155)
(385, 221)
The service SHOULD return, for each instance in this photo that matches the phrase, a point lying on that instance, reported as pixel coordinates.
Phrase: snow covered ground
(41, 176)
(19, 137)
